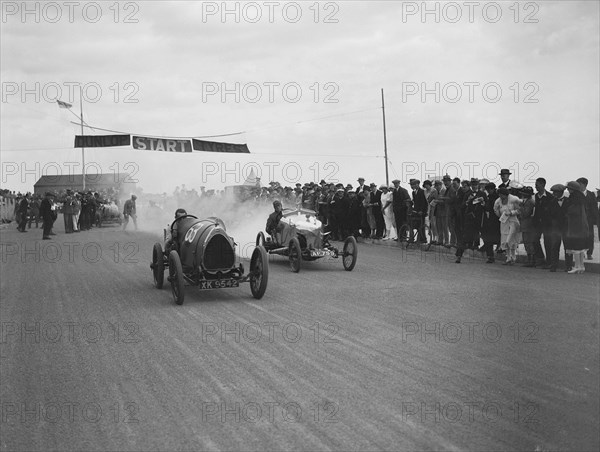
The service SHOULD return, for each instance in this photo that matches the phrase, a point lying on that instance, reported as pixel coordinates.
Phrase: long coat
(527, 220)
(490, 231)
(577, 222)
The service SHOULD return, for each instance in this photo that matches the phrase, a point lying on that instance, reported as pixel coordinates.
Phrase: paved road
(403, 353)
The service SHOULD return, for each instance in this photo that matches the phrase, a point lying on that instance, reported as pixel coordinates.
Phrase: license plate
(321, 253)
(218, 284)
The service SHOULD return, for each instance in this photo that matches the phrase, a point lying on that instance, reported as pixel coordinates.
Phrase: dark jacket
(419, 201)
(543, 213)
(46, 210)
(273, 221)
(591, 208)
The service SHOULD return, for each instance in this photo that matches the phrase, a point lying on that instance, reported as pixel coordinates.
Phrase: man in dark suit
(376, 209)
(591, 211)
(23, 207)
(400, 202)
(47, 215)
(553, 232)
(419, 206)
(543, 222)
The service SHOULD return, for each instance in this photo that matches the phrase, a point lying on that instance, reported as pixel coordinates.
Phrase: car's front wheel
(295, 255)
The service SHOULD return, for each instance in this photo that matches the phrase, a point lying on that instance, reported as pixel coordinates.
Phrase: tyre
(259, 272)
(176, 277)
(158, 265)
(350, 253)
(260, 239)
(295, 255)
(404, 236)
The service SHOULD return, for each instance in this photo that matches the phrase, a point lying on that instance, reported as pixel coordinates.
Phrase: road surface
(407, 352)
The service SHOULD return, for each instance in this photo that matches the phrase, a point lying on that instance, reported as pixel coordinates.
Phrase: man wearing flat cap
(419, 207)
(505, 177)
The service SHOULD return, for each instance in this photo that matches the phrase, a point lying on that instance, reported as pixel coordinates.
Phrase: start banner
(161, 144)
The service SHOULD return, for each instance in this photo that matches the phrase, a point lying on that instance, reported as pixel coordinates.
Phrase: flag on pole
(62, 104)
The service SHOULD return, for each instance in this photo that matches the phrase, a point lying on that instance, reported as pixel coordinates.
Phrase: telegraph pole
(387, 177)
(83, 139)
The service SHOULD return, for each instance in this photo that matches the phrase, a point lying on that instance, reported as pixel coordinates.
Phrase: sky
(469, 88)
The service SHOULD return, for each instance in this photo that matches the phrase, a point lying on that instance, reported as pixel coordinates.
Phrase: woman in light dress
(388, 213)
(507, 208)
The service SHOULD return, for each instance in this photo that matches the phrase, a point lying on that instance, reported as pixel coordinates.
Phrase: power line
(235, 133)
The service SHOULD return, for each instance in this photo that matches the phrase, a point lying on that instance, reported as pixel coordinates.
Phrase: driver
(273, 224)
(171, 243)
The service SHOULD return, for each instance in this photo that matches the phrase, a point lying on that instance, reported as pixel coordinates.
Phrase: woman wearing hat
(577, 230)
(506, 208)
(388, 213)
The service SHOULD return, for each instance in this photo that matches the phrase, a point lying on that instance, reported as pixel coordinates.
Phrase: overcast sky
(516, 87)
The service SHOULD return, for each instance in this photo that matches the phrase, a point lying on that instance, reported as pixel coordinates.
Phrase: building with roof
(95, 182)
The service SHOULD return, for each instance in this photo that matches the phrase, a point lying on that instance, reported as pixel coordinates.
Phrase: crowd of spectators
(449, 212)
(462, 214)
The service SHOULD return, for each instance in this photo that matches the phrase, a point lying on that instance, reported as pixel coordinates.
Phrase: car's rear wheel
(259, 272)
(350, 253)
(260, 239)
(295, 255)
(158, 265)
(176, 277)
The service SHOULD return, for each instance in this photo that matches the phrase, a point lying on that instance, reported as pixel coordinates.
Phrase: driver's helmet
(180, 213)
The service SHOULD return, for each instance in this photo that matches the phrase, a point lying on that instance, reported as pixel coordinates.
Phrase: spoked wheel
(350, 253)
(158, 265)
(404, 236)
(259, 272)
(176, 277)
(295, 255)
(260, 239)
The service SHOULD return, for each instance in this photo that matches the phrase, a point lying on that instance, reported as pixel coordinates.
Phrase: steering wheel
(181, 218)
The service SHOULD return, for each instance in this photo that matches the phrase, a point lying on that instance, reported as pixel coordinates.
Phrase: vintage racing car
(108, 213)
(202, 254)
(302, 238)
